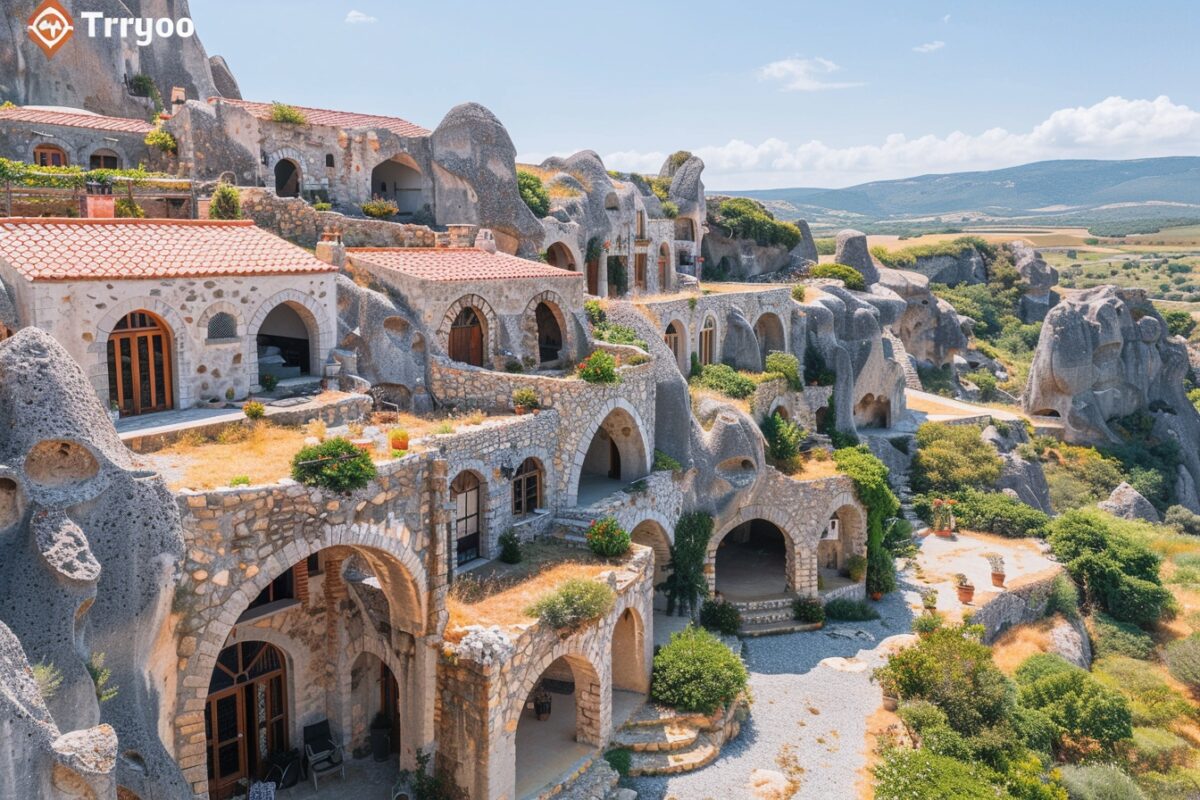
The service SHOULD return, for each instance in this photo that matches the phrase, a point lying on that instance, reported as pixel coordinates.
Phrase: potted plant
(856, 568)
(996, 562)
(381, 737)
(891, 695)
(525, 400)
(943, 518)
(398, 439)
(965, 589)
(929, 600)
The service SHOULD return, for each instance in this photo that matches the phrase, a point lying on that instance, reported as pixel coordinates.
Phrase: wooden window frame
(530, 472)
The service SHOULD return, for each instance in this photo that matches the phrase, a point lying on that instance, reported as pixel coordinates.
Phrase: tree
(533, 193)
(226, 203)
(687, 584)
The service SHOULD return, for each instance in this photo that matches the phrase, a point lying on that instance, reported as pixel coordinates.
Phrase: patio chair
(323, 754)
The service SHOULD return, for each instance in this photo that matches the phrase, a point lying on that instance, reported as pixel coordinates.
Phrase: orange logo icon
(50, 27)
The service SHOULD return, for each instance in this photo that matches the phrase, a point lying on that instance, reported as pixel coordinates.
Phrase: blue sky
(769, 93)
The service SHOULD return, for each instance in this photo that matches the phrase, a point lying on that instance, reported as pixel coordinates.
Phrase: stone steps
(665, 738)
(597, 782)
(776, 628)
(701, 753)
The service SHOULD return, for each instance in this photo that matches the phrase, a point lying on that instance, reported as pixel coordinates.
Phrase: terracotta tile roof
(46, 249)
(332, 119)
(95, 122)
(452, 264)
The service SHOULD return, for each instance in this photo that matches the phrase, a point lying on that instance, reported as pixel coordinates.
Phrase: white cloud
(1112, 128)
(946, 20)
(359, 18)
(929, 47)
(803, 74)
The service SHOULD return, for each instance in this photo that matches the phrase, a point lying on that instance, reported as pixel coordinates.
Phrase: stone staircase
(662, 742)
(906, 362)
(597, 781)
(768, 616)
(570, 525)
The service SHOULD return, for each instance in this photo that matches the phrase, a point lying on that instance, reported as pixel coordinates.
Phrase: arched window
(527, 488)
(222, 326)
(104, 159)
(50, 155)
(708, 335)
(464, 491)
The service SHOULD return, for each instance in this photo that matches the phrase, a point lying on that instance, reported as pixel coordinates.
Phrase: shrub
(670, 210)
(226, 203)
(787, 365)
(846, 274)
(1184, 519)
(124, 208)
(662, 461)
(101, 677)
(996, 512)
(726, 380)
(533, 193)
(254, 410)
(695, 672)
(607, 538)
(334, 464)
(1183, 660)
(720, 616)
(881, 569)
(573, 603)
(620, 759)
(289, 115)
(798, 292)
(808, 609)
(924, 775)
(686, 584)
(985, 382)
(268, 382)
(161, 140)
(1039, 666)
(1099, 782)
(816, 371)
(599, 367)
(844, 610)
(927, 623)
(510, 547)
(1064, 598)
(322, 206)
(1179, 323)
(783, 439)
(856, 567)
(594, 310)
(525, 397)
(953, 457)
(48, 678)
(617, 334)
(869, 475)
(239, 480)
(744, 218)
(1086, 714)
(1111, 637)
(379, 208)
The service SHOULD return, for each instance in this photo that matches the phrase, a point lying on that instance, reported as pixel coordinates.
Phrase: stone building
(60, 137)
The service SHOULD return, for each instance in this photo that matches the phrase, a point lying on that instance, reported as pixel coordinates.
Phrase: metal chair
(323, 753)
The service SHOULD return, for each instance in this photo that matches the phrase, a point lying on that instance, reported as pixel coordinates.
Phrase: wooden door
(593, 277)
(389, 701)
(466, 338)
(139, 365)
(639, 270)
(225, 730)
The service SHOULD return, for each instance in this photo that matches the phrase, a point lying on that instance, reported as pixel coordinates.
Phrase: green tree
(533, 193)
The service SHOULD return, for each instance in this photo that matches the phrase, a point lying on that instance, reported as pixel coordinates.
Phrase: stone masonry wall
(297, 221)
(1022, 601)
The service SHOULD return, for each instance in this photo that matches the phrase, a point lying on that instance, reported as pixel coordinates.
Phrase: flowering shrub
(607, 538)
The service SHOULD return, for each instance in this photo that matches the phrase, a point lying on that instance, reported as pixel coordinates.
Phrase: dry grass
(813, 467)
(1020, 642)
(418, 425)
(261, 452)
(498, 594)
(548, 174)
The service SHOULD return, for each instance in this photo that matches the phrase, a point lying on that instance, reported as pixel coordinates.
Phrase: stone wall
(800, 407)
(297, 221)
(17, 140)
(1023, 600)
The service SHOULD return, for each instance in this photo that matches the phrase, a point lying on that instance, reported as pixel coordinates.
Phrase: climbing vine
(870, 484)
(686, 586)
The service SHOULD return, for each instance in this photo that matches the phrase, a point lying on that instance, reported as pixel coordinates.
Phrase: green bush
(996, 512)
(783, 439)
(881, 569)
(1064, 598)
(607, 538)
(787, 365)
(695, 672)
(620, 759)
(162, 140)
(743, 218)
(927, 623)
(334, 464)
(721, 616)
(525, 397)
(124, 208)
(1099, 782)
(662, 461)
(533, 193)
(924, 775)
(379, 208)
(288, 115)
(951, 458)
(1039, 666)
(573, 603)
(101, 678)
(726, 380)
(599, 367)
(1111, 637)
(670, 210)
(510, 547)
(254, 410)
(1152, 700)
(322, 206)
(687, 584)
(268, 382)
(1081, 709)
(816, 371)
(938, 380)
(1183, 660)
(1184, 519)
(226, 203)
(798, 292)
(845, 610)
(986, 383)
(808, 609)
(869, 476)
(846, 274)
(856, 567)
(906, 258)
(1179, 323)
(595, 312)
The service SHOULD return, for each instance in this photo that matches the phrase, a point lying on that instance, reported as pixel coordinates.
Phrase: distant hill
(1069, 191)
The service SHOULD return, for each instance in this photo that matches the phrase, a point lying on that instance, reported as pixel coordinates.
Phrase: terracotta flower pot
(890, 703)
(965, 593)
(521, 410)
(945, 534)
(998, 579)
(876, 596)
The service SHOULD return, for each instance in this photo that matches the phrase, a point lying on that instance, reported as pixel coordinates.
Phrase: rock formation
(932, 331)
(1127, 502)
(966, 266)
(1038, 277)
(1024, 479)
(852, 251)
(1104, 353)
(806, 250)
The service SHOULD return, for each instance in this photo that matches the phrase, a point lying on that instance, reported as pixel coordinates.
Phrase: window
(314, 564)
(50, 155)
(222, 326)
(464, 491)
(282, 588)
(641, 224)
(707, 339)
(527, 488)
(104, 159)
(329, 160)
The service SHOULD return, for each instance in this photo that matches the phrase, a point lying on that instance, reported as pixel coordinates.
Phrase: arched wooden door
(593, 277)
(245, 717)
(139, 365)
(466, 338)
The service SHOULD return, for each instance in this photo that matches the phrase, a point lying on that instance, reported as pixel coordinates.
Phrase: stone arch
(795, 557)
(487, 318)
(320, 336)
(50, 154)
(288, 647)
(771, 335)
(679, 344)
(399, 179)
(655, 533)
(627, 647)
(563, 255)
(873, 411)
(296, 159)
(182, 357)
(220, 307)
(634, 448)
(534, 327)
(851, 538)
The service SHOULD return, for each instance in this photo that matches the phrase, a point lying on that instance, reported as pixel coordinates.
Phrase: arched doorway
(399, 179)
(664, 267)
(466, 338)
(650, 534)
(616, 456)
(768, 329)
(752, 562)
(549, 333)
(844, 536)
(676, 341)
(245, 715)
(559, 724)
(466, 494)
(139, 365)
(593, 277)
(285, 342)
(629, 674)
(873, 412)
(374, 702)
(287, 178)
(558, 255)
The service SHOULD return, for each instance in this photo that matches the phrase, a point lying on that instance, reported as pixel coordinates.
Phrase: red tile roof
(45, 249)
(93, 121)
(451, 264)
(332, 119)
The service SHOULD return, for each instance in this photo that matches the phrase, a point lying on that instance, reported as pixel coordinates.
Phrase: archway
(139, 364)
(559, 723)
(873, 412)
(286, 342)
(466, 337)
(629, 674)
(50, 155)
(245, 715)
(768, 329)
(466, 492)
(558, 255)
(676, 340)
(374, 703)
(652, 535)
(399, 179)
(707, 344)
(593, 277)
(664, 267)
(752, 562)
(844, 536)
(287, 178)
(616, 455)
(549, 333)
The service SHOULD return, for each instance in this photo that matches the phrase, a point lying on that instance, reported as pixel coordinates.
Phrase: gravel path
(806, 714)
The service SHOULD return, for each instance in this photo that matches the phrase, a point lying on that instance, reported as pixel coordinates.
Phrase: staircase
(598, 781)
(900, 355)
(769, 616)
(662, 742)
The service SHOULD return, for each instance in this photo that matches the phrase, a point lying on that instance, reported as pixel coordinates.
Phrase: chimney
(485, 241)
(178, 96)
(330, 249)
(461, 235)
(97, 205)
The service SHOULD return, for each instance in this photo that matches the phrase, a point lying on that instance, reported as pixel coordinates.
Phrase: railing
(173, 193)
